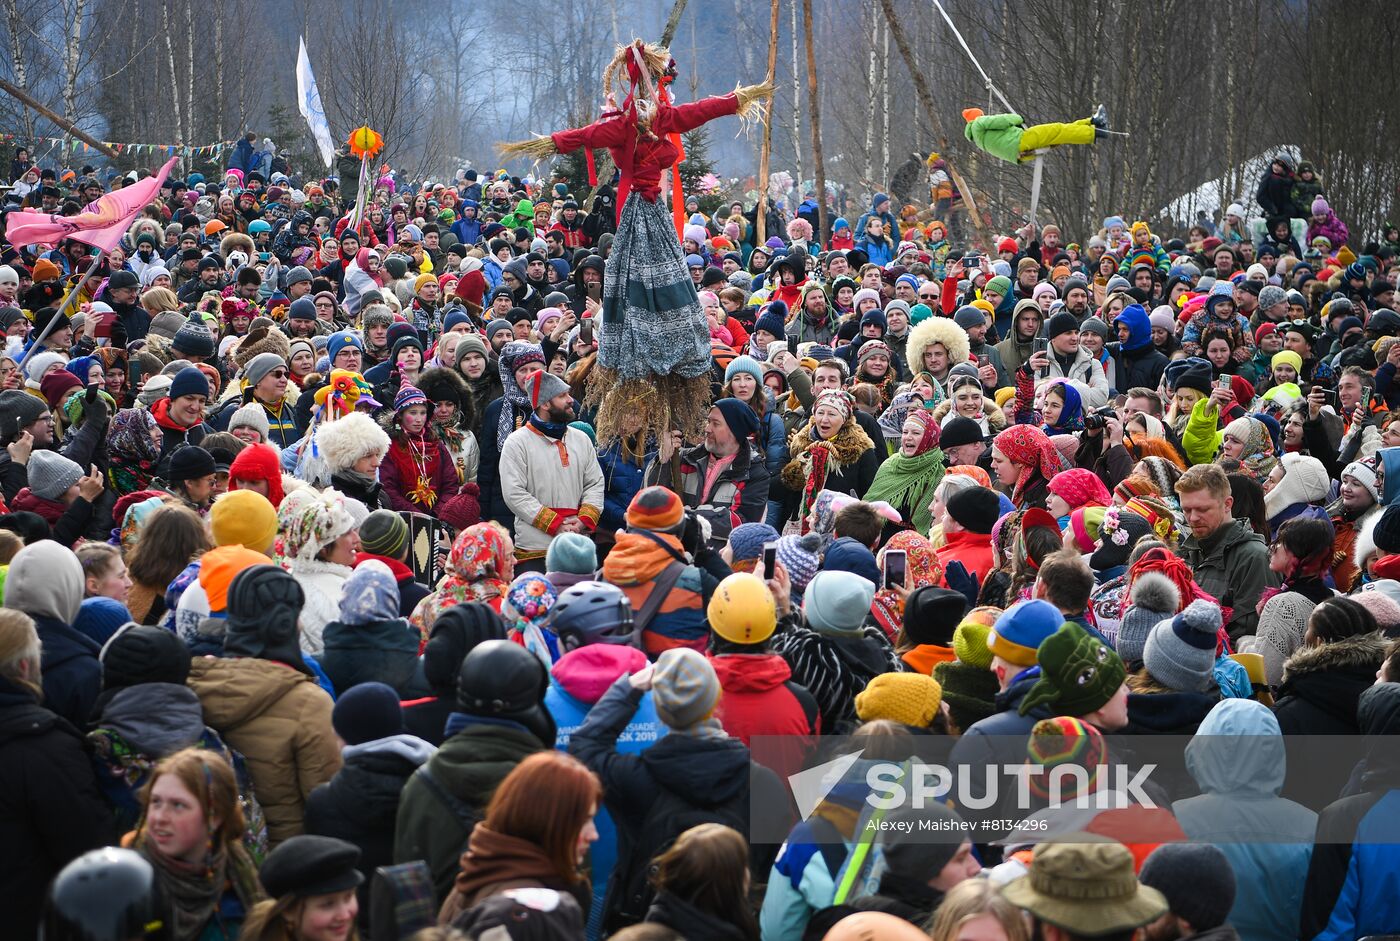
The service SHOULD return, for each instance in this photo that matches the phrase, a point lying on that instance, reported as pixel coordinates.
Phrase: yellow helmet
(742, 610)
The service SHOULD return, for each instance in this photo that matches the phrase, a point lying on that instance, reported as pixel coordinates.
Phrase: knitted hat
(139, 654)
(370, 595)
(243, 517)
(253, 416)
(1021, 628)
(542, 385)
(684, 688)
(959, 431)
(746, 541)
(968, 316)
(931, 614)
(745, 364)
(800, 556)
(1119, 532)
(194, 338)
(970, 638)
(656, 509)
(975, 509)
(51, 474)
(100, 618)
(837, 602)
(190, 463)
(572, 553)
(408, 396)
(872, 348)
(1197, 880)
(908, 698)
(771, 321)
(385, 533)
(739, 416)
(1365, 475)
(1180, 652)
(367, 712)
(1001, 284)
(1078, 673)
(189, 381)
(220, 566)
(257, 368)
(1064, 742)
(1063, 322)
(1153, 599)
(56, 385)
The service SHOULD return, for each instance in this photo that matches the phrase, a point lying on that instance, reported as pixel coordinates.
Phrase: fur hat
(936, 330)
(347, 439)
(237, 242)
(440, 384)
(262, 339)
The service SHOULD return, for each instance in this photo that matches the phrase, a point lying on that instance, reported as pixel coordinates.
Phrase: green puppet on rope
(1006, 136)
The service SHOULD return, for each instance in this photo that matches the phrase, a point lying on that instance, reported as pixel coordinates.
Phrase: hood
(586, 673)
(751, 673)
(676, 912)
(235, 691)
(410, 748)
(1390, 461)
(706, 772)
(1232, 764)
(637, 558)
(45, 579)
(155, 718)
(1378, 714)
(1139, 327)
(1174, 713)
(474, 760)
(1354, 660)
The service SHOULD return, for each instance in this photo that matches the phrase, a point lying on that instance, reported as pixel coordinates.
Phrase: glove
(958, 579)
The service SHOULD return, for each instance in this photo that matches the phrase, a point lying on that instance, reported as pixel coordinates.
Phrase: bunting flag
(73, 145)
(102, 223)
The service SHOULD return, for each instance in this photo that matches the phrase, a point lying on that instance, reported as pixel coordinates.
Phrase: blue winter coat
(1266, 838)
(622, 479)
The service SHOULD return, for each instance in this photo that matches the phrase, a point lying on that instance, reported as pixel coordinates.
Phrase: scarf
(1030, 449)
(193, 890)
(131, 452)
(909, 483)
(494, 858)
(515, 404)
(816, 460)
(1072, 415)
(474, 566)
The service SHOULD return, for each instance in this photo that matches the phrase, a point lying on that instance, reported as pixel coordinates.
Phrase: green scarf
(910, 481)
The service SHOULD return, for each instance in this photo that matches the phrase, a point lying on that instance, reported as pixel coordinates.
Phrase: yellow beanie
(1289, 358)
(1003, 395)
(421, 280)
(243, 517)
(909, 698)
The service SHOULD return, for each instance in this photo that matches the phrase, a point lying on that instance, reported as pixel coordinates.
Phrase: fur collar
(846, 447)
(1355, 654)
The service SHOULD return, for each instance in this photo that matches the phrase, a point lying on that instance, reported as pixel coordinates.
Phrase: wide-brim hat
(1084, 883)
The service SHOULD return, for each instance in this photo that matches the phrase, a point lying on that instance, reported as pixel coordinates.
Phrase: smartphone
(792, 343)
(595, 290)
(1329, 397)
(1041, 345)
(972, 261)
(1365, 402)
(895, 564)
(1223, 383)
(585, 329)
(983, 360)
(770, 559)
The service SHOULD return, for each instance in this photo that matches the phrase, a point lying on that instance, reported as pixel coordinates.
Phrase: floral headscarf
(311, 520)
(1080, 488)
(132, 453)
(972, 470)
(528, 602)
(481, 560)
(923, 569)
(1029, 448)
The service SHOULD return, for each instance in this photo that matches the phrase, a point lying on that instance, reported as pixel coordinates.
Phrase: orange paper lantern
(365, 142)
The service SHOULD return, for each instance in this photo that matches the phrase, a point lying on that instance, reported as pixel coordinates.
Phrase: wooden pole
(815, 113)
(672, 23)
(761, 212)
(69, 302)
(24, 98)
(925, 94)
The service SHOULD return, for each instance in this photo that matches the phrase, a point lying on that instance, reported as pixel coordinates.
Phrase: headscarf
(923, 569)
(1158, 515)
(131, 452)
(972, 470)
(1079, 488)
(908, 483)
(823, 513)
(1072, 415)
(1029, 448)
(516, 403)
(892, 420)
(480, 556)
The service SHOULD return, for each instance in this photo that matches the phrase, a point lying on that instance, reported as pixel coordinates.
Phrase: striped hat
(657, 509)
(409, 395)
(684, 688)
(1019, 631)
(1064, 742)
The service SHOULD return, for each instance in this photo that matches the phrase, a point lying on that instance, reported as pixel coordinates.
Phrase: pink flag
(102, 223)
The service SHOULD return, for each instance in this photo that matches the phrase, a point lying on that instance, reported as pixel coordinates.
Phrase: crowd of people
(1029, 502)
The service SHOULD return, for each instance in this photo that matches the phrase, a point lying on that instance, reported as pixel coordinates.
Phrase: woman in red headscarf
(1024, 460)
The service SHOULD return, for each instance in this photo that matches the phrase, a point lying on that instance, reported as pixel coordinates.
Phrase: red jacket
(973, 550)
(761, 699)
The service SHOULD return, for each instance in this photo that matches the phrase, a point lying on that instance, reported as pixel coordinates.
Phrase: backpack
(630, 890)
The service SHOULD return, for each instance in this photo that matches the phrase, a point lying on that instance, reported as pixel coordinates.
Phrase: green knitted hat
(969, 691)
(1079, 673)
(970, 642)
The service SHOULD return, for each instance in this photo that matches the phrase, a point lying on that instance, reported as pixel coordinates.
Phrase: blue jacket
(468, 230)
(1266, 838)
(886, 217)
(881, 253)
(1000, 738)
(621, 481)
(72, 674)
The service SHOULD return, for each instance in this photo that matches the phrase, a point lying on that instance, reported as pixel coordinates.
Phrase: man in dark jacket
(361, 803)
(1229, 559)
(455, 633)
(52, 811)
(694, 774)
(500, 721)
(132, 319)
(739, 491)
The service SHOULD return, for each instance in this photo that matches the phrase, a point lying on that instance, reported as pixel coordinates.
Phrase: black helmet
(500, 679)
(592, 613)
(106, 894)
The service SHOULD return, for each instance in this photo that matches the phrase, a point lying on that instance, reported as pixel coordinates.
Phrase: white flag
(309, 101)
